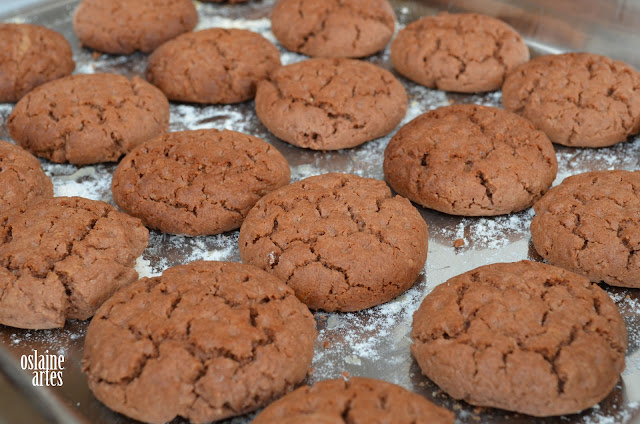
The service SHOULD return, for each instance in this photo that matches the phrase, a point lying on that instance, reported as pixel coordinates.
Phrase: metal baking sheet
(374, 342)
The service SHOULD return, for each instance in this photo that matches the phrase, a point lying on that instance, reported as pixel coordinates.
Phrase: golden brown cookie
(590, 224)
(62, 258)
(340, 241)
(524, 336)
(30, 56)
(577, 99)
(470, 160)
(203, 341)
(328, 104)
(197, 182)
(463, 52)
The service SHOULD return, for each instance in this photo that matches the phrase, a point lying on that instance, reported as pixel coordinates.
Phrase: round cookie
(333, 28)
(213, 65)
(62, 257)
(589, 224)
(203, 341)
(124, 26)
(358, 400)
(577, 99)
(466, 53)
(30, 56)
(84, 119)
(525, 337)
(21, 178)
(197, 182)
(328, 104)
(340, 241)
(470, 160)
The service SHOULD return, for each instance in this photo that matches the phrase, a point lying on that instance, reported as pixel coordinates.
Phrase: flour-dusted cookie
(328, 104)
(197, 182)
(124, 26)
(30, 56)
(464, 52)
(525, 337)
(83, 119)
(358, 400)
(21, 178)
(578, 99)
(333, 28)
(590, 224)
(62, 257)
(470, 160)
(214, 65)
(203, 341)
(342, 242)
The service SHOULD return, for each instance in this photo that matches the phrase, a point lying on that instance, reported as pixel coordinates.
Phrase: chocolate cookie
(340, 241)
(525, 336)
(333, 28)
(578, 99)
(328, 104)
(359, 400)
(124, 26)
(83, 119)
(21, 178)
(30, 56)
(62, 257)
(197, 182)
(470, 160)
(590, 224)
(213, 65)
(466, 53)
(204, 341)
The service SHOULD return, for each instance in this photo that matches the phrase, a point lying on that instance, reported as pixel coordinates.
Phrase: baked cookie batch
(210, 340)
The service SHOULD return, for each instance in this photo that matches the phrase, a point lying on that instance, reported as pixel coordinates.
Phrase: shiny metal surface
(375, 342)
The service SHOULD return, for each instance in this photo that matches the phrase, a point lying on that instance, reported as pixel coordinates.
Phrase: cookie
(30, 56)
(470, 160)
(197, 182)
(203, 341)
(340, 241)
(358, 400)
(213, 65)
(328, 104)
(578, 99)
(84, 119)
(124, 26)
(21, 178)
(333, 28)
(62, 258)
(590, 225)
(525, 337)
(464, 52)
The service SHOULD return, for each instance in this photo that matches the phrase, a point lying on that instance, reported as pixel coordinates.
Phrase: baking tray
(375, 342)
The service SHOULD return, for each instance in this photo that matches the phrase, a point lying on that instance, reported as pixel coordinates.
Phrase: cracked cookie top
(213, 65)
(91, 118)
(22, 180)
(340, 241)
(328, 104)
(197, 182)
(333, 28)
(62, 257)
(357, 401)
(30, 56)
(525, 337)
(124, 26)
(466, 53)
(578, 99)
(203, 341)
(590, 224)
(470, 160)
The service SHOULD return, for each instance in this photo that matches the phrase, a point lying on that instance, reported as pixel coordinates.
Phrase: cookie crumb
(96, 55)
(326, 344)
(458, 243)
(345, 375)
